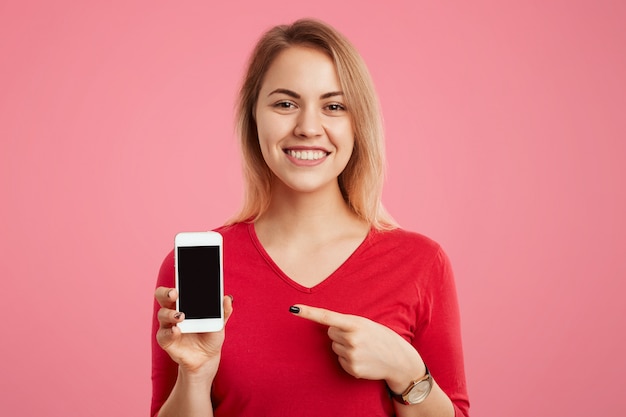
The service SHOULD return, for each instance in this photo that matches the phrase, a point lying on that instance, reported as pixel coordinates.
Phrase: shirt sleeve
(438, 333)
(164, 369)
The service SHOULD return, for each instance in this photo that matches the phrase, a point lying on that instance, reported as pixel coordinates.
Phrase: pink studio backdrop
(506, 143)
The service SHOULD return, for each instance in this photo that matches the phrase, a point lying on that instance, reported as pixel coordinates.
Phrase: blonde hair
(361, 182)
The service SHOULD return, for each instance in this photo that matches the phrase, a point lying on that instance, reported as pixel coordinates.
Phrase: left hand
(367, 349)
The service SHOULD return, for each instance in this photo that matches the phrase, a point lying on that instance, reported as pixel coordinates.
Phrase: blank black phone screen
(199, 281)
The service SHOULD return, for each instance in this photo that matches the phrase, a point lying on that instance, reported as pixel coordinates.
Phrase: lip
(306, 148)
(305, 162)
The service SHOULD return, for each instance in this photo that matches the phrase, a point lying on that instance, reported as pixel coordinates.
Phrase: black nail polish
(294, 309)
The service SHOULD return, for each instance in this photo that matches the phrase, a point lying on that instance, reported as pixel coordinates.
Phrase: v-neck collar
(318, 287)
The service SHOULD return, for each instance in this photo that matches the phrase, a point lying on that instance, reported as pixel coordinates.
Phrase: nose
(308, 124)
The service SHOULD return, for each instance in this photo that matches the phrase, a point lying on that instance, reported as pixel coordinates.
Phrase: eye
(284, 105)
(335, 107)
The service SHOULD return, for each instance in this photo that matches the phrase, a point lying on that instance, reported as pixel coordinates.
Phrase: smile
(306, 155)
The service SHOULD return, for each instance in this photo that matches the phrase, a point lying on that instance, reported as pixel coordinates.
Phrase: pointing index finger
(322, 316)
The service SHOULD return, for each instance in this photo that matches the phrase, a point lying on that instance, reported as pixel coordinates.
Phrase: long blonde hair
(361, 182)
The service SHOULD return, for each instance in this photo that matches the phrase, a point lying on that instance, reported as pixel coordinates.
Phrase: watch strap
(400, 397)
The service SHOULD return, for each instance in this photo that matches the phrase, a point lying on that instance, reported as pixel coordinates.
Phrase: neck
(317, 213)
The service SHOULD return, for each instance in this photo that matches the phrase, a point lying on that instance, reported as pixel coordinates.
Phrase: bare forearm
(190, 397)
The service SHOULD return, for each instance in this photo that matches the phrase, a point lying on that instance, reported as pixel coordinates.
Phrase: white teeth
(307, 155)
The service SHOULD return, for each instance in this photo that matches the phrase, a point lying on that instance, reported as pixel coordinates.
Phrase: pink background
(506, 135)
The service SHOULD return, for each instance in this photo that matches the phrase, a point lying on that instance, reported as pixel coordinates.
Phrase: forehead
(302, 69)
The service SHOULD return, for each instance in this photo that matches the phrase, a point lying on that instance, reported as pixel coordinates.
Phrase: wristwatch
(417, 391)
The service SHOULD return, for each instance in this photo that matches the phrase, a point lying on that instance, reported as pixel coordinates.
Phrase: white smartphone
(199, 281)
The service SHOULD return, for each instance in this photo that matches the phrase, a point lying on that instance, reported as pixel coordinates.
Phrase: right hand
(193, 352)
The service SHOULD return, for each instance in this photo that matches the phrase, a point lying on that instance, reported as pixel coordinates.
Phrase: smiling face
(304, 127)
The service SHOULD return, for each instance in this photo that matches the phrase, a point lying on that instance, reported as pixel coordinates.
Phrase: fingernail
(294, 309)
(232, 299)
(168, 293)
(177, 315)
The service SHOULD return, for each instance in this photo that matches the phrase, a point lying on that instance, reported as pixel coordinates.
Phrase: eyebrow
(297, 96)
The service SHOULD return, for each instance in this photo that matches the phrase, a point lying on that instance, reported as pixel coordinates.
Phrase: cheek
(344, 135)
(270, 129)
(263, 132)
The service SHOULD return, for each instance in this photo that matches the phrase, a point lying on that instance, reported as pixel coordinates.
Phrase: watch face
(419, 392)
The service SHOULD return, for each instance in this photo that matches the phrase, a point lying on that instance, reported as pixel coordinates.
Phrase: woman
(338, 310)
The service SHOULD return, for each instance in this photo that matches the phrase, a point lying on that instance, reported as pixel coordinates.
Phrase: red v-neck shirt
(276, 364)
